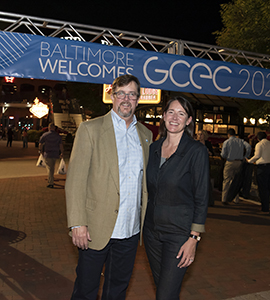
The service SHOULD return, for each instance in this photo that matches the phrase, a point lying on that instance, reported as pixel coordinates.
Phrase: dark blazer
(179, 189)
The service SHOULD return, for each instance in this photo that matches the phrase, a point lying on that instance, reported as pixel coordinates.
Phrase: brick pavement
(38, 260)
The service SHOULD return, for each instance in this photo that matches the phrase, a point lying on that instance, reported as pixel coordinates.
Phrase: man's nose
(127, 97)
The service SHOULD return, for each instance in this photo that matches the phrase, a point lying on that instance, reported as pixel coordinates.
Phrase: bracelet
(75, 227)
(195, 237)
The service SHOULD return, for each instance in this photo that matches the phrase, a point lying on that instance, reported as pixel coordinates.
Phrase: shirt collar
(119, 120)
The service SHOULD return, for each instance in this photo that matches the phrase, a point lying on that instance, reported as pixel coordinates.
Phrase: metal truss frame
(52, 28)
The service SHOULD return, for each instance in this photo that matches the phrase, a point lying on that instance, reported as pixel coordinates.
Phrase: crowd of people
(10, 133)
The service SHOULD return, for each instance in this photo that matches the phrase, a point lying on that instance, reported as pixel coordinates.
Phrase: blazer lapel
(145, 144)
(179, 158)
(110, 149)
(183, 146)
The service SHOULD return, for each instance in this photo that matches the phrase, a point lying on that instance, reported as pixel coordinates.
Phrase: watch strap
(195, 237)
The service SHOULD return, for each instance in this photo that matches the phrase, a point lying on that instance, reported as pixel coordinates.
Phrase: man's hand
(80, 237)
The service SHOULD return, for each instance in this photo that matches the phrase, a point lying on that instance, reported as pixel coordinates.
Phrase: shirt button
(116, 211)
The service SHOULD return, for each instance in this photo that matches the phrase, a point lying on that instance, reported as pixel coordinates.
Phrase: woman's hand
(187, 253)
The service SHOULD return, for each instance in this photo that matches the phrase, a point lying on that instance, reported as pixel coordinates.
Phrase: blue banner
(33, 56)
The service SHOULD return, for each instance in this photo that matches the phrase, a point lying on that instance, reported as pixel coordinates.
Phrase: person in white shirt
(262, 159)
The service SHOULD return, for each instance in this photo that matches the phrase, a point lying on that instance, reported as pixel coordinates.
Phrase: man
(25, 138)
(233, 150)
(50, 145)
(262, 159)
(10, 135)
(106, 193)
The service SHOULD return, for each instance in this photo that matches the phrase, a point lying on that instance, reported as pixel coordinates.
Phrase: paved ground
(38, 260)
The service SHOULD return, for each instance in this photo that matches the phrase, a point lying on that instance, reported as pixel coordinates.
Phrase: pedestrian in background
(10, 135)
(202, 136)
(178, 187)
(262, 159)
(234, 150)
(25, 138)
(50, 145)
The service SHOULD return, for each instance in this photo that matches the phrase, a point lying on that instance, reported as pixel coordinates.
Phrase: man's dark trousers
(263, 180)
(118, 256)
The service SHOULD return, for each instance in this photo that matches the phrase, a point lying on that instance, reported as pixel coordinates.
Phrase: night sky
(191, 20)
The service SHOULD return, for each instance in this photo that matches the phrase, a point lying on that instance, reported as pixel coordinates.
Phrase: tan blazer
(92, 184)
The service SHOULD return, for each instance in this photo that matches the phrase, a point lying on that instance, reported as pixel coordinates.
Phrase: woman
(178, 184)
(202, 137)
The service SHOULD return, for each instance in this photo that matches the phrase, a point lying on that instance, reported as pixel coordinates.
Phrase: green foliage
(89, 96)
(34, 135)
(256, 109)
(246, 26)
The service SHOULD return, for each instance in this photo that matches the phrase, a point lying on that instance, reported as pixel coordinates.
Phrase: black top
(179, 189)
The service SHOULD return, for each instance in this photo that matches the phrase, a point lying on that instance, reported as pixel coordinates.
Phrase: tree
(256, 109)
(246, 26)
(89, 95)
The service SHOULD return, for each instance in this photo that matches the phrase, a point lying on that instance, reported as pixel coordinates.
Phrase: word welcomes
(23, 55)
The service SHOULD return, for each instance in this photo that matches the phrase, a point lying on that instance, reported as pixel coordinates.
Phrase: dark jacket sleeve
(201, 183)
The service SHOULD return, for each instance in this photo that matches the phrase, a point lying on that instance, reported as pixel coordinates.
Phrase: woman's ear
(189, 120)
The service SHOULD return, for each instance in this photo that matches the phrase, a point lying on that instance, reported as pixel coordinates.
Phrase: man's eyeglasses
(122, 95)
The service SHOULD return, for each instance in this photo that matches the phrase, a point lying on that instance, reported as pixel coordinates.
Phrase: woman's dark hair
(189, 110)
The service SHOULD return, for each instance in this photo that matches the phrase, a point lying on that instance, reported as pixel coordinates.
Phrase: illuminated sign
(148, 96)
(9, 79)
(39, 109)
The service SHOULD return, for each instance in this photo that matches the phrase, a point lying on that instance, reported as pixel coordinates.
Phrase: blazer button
(116, 211)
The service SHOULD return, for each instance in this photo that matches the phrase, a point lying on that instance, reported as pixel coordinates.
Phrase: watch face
(195, 237)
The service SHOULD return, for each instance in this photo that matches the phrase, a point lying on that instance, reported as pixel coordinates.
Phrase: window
(9, 89)
(25, 87)
(60, 90)
(44, 90)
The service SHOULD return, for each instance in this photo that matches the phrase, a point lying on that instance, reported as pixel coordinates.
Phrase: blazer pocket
(91, 204)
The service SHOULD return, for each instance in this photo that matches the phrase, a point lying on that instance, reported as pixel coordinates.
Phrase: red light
(108, 89)
(9, 79)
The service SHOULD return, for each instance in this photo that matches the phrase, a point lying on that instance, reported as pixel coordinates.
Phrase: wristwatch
(195, 237)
